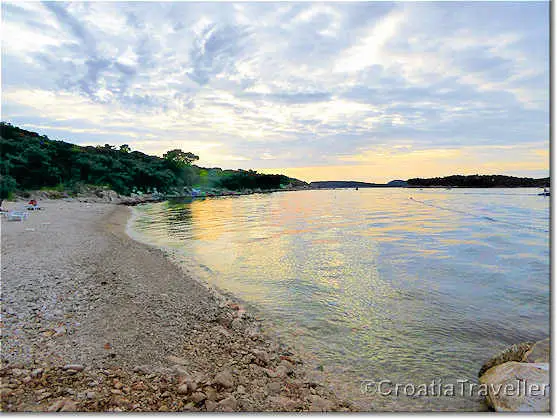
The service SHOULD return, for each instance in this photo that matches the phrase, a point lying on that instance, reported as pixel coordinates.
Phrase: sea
(385, 291)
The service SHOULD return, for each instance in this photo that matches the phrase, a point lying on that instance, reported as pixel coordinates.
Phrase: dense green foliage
(480, 181)
(253, 180)
(33, 161)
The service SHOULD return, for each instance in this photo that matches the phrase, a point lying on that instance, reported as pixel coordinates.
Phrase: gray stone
(237, 324)
(512, 353)
(274, 387)
(319, 404)
(73, 367)
(198, 397)
(518, 387)
(224, 379)
(177, 360)
(287, 366)
(56, 406)
(261, 357)
(539, 352)
(285, 404)
(211, 393)
(229, 404)
(281, 371)
(210, 405)
(182, 389)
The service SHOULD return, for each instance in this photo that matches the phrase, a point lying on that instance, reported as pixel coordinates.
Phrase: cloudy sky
(364, 91)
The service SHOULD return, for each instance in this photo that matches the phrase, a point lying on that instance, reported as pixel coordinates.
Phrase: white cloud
(280, 81)
(370, 49)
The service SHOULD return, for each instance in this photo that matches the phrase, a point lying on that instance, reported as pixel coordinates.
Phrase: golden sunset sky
(369, 91)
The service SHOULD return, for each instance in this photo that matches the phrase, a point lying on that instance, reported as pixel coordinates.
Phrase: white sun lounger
(17, 215)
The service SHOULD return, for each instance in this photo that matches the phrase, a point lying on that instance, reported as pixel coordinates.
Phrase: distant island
(328, 184)
(454, 181)
(479, 181)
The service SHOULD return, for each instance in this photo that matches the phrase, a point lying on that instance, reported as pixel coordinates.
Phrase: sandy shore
(93, 320)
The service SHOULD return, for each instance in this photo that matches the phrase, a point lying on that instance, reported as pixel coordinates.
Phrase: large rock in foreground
(518, 387)
(539, 352)
(515, 352)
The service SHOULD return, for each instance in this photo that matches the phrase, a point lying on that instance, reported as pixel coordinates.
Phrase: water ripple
(372, 284)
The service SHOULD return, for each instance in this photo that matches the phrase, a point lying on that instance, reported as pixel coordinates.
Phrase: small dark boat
(545, 192)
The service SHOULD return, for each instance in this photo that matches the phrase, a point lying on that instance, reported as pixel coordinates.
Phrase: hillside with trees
(30, 161)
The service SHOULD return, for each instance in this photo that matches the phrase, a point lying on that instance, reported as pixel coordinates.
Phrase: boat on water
(545, 192)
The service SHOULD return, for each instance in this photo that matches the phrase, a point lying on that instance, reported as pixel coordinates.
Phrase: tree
(7, 186)
(179, 158)
(124, 148)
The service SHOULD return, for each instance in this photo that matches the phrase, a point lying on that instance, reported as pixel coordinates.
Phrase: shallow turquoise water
(404, 285)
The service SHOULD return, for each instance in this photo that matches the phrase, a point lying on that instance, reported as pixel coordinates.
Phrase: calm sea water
(405, 285)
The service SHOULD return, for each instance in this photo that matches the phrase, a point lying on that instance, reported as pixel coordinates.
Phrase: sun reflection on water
(374, 284)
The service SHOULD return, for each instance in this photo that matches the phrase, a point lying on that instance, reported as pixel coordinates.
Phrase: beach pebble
(198, 397)
(274, 387)
(139, 386)
(73, 367)
(289, 368)
(262, 357)
(211, 393)
(229, 404)
(56, 406)
(237, 324)
(190, 382)
(60, 331)
(225, 319)
(69, 406)
(182, 389)
(284, 403)
(210, 405)
(42, 396)
(177, 360)
(319, 404)
(224, 379)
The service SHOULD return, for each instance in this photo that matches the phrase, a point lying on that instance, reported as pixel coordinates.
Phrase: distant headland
(454, 181)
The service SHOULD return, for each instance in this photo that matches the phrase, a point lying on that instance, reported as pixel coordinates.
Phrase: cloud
(287, 84)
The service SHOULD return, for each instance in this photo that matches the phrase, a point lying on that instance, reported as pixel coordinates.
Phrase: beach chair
(17, 215)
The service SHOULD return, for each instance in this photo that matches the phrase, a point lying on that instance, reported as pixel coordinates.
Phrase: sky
(368, 91)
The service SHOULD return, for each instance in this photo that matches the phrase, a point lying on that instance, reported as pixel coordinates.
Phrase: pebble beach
(95, 321)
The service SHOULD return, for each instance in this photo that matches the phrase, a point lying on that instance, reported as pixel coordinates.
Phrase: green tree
(7, 186)
(124, 148)
(179, 158)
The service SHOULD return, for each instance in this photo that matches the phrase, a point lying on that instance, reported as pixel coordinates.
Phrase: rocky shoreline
(95, 321)
(518, 379)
